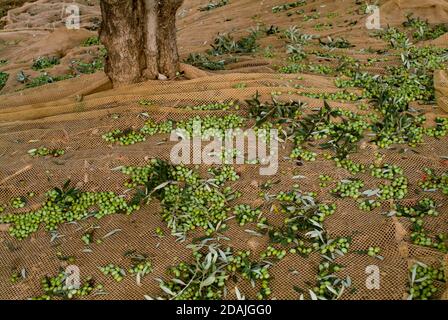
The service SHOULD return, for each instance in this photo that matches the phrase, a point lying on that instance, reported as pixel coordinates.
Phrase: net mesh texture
(75, 113)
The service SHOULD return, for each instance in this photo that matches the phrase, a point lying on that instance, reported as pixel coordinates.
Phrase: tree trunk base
(140, 37)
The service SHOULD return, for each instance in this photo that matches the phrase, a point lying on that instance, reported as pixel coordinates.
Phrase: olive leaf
(111, 233)
(178, 281)
(313, 295)
(167, 290)
(239, 296)
(209, 281)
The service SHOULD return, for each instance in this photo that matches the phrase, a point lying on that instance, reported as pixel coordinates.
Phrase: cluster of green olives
(196, 205)
(15, 277)
(184, 174)
(338, 96)
(272, 252)
(287, 6)
(195, 126)
(345, 131)
(66, 206)
(193, 203)
(230, 154)
(411, 135)
(324, 210)
(403, 84)
(296, 202)
(130, 137)
(137, 175)
(324, 179)
(422, 30)
(159, 232)
(341, 244)
(115, 271)
(291, 196)
(351, 129)
(423, 208)
(210, 125)
(304, 215)
(423, 287)
(434, 56)
(348, 188)
(125, 138)
(194, 291)
(420, 237)
(140, 176)
(301, 249)
(440, 130)
(431, 181)
(215, 106)
(157, 169)
(43, 151)
(57, 287)
(369, 205)
(302, 154)
(18, 202)
(252, 271)
(386, 171)
(373, 251)
(353, 116)
(87, 238)
(326, 273)
(145, 102)
(224, 174)
(186, 285)
(244, 214)
(313, 68)
(350, 165)
(396, 189)
(142, 268)
(151, 127)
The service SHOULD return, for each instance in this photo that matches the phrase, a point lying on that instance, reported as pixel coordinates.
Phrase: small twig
(26, 168)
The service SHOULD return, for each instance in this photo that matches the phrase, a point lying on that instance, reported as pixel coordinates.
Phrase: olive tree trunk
(140, 37)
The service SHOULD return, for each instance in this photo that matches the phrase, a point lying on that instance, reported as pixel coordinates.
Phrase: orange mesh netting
(73, 114)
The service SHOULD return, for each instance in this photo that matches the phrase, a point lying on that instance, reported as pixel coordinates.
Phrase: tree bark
(166, 38)
(122, 34)
(140, 37)
(152, 22)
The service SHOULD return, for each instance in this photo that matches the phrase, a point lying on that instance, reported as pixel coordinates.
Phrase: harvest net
(74, 114)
